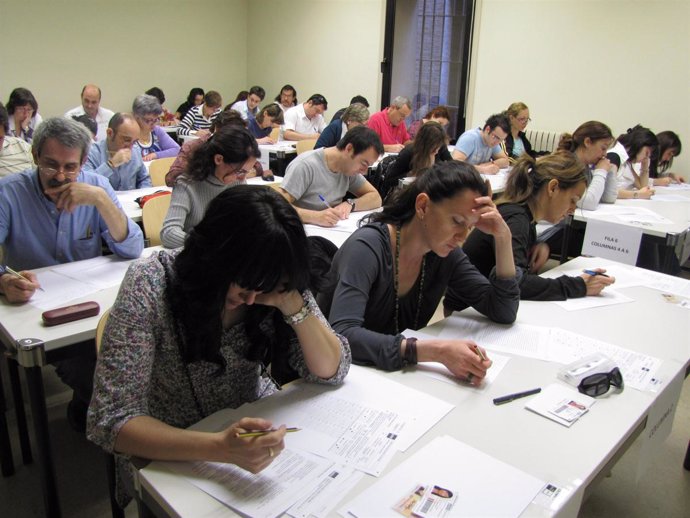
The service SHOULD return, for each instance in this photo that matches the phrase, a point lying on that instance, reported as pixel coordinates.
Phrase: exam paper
(475, 483)
(262, 495)
(332, 485)
(58, 290)
(100, 272)
(607, 297)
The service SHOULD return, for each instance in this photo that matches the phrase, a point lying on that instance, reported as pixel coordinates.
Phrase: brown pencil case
(70, 313)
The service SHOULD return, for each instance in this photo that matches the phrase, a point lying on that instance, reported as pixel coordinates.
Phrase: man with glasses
(91, 106)
(306, 121)
(57, 213)
(113, 157)
(482, 147)
(317, 181)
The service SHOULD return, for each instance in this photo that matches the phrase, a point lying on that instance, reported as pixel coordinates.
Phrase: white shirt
(297, 120)
(102, 119)
(241, 106)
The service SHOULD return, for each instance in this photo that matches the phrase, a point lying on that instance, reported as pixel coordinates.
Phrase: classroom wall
(54, 47)
(331, 47)
(618, 61)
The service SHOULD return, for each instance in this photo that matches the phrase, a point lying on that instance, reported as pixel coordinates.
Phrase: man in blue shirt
(113, 157)
(482, 147)
(55, 214)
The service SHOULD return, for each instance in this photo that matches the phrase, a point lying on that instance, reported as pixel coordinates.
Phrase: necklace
(397, 285)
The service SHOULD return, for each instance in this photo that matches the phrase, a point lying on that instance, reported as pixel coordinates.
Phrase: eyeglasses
(495, 137)
(522, 120)
(600, 383)
(69, 170)
(151, 120)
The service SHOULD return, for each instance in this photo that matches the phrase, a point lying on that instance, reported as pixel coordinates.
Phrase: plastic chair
(158, 169)
(305, 145)
(152, 215)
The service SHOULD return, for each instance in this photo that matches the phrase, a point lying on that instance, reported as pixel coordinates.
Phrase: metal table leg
(6, 460)
(19, 411)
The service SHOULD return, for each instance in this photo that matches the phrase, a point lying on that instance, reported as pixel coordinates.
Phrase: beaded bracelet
(297, 318)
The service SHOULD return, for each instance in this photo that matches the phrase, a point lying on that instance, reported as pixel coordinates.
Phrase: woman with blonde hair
(516, 142)
(547, 188)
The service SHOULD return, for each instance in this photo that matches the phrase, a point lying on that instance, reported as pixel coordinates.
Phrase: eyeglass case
(575, 372)
(70, 313)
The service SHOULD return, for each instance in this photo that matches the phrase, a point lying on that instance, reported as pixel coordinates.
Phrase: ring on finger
(270, 452)
(470, 377)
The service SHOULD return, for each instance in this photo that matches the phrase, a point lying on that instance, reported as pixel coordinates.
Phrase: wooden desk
(574, 458)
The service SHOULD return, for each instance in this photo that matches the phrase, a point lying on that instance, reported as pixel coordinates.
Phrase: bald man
(91, 106)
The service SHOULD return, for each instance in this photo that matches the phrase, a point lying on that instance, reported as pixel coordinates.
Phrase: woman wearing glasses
(221, 162)
(516, 143)
(23, 111)
(153, 141)
(193, 331)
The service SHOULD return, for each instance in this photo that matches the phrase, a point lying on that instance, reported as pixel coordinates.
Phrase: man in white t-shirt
(317, 181)
(306, 121)
(91, 106)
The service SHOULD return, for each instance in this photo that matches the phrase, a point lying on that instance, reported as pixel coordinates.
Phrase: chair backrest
(275, 134)
(152, 215)
(158, 169)
(378, 177)
(100, 327)
(305, 145)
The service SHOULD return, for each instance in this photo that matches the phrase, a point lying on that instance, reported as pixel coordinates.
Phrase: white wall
(618, 61)
(331, 47)
(54, 47)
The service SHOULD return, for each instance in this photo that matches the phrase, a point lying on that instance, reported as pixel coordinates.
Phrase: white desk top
(288, 147)
(571, 457)
(131, 208)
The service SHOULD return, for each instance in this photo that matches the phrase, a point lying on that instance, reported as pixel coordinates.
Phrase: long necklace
(397, 285)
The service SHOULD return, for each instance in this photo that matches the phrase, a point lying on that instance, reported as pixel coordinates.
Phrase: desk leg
(19, 411)
(6, 460)
(686, 464)
(45, 455)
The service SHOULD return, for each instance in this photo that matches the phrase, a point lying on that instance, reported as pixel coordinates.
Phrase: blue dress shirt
(132, 175)
(35, 233)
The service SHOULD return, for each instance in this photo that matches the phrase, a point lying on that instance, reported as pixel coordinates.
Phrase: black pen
(512, 397)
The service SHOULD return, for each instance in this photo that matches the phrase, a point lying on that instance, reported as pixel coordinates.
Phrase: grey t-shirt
(307, 176)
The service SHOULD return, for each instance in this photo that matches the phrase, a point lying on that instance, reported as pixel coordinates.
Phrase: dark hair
(258, 91)
(318, 100)
(440, 182)
(192, 95)
(592, 130)
(287, 87)
(273, 111)
(360, 99)
(21, 97)
(88, 122)
(241, 96)
(635, 139)
(499, 120)
(212, 99)
(118, 118)
(157, 93)
(233, 142)
(228, 117)
(4, 119)
(429, 137)
(361, 138)
(223, 249)
(528, 176)
(667, 140)
(438, 111)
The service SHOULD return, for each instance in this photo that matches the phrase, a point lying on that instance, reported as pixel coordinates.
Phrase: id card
(427, 501)
(568, 410)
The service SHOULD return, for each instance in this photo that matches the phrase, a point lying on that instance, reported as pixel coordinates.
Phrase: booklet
(561, 404)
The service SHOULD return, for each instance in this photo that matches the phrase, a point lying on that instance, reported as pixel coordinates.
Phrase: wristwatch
(351, 201)
(635, 195)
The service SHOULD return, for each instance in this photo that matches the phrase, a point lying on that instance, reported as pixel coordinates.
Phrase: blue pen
(592, 272)
(324, 201)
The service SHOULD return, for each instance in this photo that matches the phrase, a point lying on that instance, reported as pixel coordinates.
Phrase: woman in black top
(195, 98)
(516, 142)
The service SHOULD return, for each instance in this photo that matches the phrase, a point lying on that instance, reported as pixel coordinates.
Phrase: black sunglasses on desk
(600, 383)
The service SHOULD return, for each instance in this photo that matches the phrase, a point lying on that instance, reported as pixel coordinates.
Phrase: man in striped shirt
(198, 119)
(15, 154)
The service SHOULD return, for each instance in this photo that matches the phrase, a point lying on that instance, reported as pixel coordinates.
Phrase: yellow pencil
(17, 274)
(260, 433)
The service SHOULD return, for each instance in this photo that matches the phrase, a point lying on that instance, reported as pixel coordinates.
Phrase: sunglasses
(600, 383)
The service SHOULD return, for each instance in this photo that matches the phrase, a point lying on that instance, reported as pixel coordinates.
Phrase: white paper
(607, 297)
(58, 290)
(333, 484)
(612, 241)
(101, 272)
(483, 485)
(561, 404)
(262, 495)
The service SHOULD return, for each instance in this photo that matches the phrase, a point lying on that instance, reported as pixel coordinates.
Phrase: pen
(17, 274)
(479, 352)
(261, 433)
(324, 201)
(512, 397)
(593, 272)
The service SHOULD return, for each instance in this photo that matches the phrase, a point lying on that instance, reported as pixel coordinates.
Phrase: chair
(158, 169)
(275, 134)
(305, 145)
(110, 466)
(152, 215)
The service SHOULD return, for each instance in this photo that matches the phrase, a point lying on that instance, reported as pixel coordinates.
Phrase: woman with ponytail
(222, 161)
(547, 188)
(194, 331)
